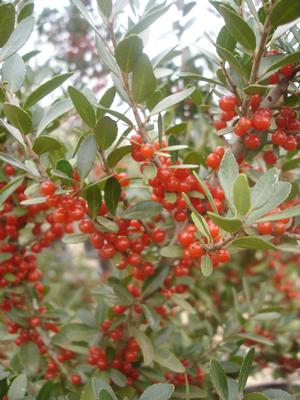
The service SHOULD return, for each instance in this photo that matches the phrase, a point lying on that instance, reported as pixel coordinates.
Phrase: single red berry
(9, 170)
(228, 103)
(147, 151)
(269, 157)
(287, 70)
(252, 141)
(243, 126)
(76, 379)
(274, 78)
(265, 228)
(48, 188)
(219, 124)
(261, 122)
(213, 161)
(158, 235)
(290, 144)
(255, 101)
(279, 137)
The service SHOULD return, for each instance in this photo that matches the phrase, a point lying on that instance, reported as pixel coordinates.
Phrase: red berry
(270, 157)
(255, 101)
(252, 141)
(290, 144)
(274, 78)
(261, 122)
(86, 226)
(48, 188)
(265, 228)
(158, 235)
(219, 124)
(228, 103)
(279, 137)
(213, 161)
(76, 379)
(9, 170)
(287, 70)
(243, 126)
(147, 151)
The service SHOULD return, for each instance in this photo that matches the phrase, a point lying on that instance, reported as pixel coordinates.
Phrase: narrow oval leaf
(158, 391)
(75, 238)
(142, 210)
(83, 106)
(10, 188)
(169, 360)
(86, 155)
(105, 7)
(241, 194)
(13, 71)
(45, 144)
(171, 251)
(30, 357)
(284, 11)
(18, 388)
(94, 199)
(118, 378)
(238, 28)
(112, 194)
(128, 52)
(13, 131)
(19, 118)
(246, 369)
(228, 173)
(145, 345)
(253, 242)
(154, 282)
(230, 225)
(172, 100)
(7, 22)
(45, 89)
(143, 79)
(218, 379)
(106, 132)
(18, 38)
(53, 112)
(206, 266)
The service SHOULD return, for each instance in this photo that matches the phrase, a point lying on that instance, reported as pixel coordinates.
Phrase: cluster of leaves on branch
(201, 240)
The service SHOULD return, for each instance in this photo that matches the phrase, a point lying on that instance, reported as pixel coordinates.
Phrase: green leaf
(30, 357)
(148, 20)
(117, 114)
(10, 188)
(171, 251)
(86, 155)
(4, 257)
(207, 193)
(256, 338)
(145, 345)
(7, 22)
(45, 89)
(18, 38)
(228, 173)
(12, 161)
(158, 391)
(118, 378)
(25, 11)
(83, 106)
(13, 131)
(142, 210)
(172, 100)
(143, 79)
(246, 369)
(154, 282)
(18, 388)
(284, 11)
(94, 199)
(255, 396)
(264, 188)
(230, 225)
(291, 164)
(218, 379)
(53, 112)
(19, 118)
(151, 316)
(106, 101)
(253, 242)
(241, 194)
(168, 360)
(121, 291)
(45, 392)
(292, 58)
(286, 213)
(112, 194)
(282, 191)
(75, 238)
(200, 224)
(266, 316)
(225, 39)
(108, 224)
(106, 56)
(238, 28)
(206, 266)
(106, 132)
(45, 144)
(278, 394)
(105, 7)
(197, 77)
(232, 60)
(256, 89)
(99, 387)
(182, 303)
(128, 52)
(74, 332)
(13, 71)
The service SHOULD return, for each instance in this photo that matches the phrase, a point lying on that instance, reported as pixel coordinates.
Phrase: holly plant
(149, 233)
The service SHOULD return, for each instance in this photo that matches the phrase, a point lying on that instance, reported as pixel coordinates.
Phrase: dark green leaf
(86, 155)
(7, 22)
(10, 188)
(83, 106)
(45, 89)
(287, 59)
(232, 60)
(225, 39)
(143, 79)
(142, 210)
(106, 132)
(112, 194)
(246, 369)
(116, 155)
(128, 52)
(94, 199)
(45, 392)
(18, 38)
(151, 316)
(25, 11)
(218, 379)
(255, 396)
(284, 11)
(256, 89)
(158, 391)
(172, 100)
(19, 118)
(154, 282)
(118, 378)
(46, 144)
(227, 224)
(238, 28)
